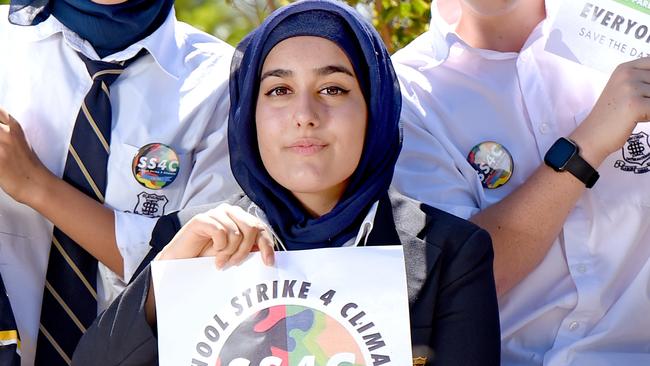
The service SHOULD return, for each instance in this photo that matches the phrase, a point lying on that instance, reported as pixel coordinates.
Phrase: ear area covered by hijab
(383, 139)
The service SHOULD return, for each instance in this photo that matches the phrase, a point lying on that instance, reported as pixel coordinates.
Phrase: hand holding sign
(624, 102)
(226, 232)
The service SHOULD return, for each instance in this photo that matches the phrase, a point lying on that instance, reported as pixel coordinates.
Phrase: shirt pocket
(125, 193)
(12, 246)
(20, 226)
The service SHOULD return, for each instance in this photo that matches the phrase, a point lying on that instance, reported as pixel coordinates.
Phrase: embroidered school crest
(151, 205)
(636, 154)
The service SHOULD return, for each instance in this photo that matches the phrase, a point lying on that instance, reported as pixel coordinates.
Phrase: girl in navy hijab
(314, 134)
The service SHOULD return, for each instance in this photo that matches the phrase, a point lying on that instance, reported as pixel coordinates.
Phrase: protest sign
(322, 307)
(601, 33)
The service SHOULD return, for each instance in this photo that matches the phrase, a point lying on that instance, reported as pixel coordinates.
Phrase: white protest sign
(601, 33)
(322, 307)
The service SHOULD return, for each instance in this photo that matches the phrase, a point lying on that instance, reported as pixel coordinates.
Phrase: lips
(307, 146)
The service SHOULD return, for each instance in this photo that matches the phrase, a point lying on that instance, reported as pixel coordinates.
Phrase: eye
(334, 90)
(277, 91)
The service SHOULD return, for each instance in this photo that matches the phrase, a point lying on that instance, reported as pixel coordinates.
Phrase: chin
(490, 11)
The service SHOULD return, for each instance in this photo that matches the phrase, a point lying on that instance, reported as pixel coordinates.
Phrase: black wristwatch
(564, 155)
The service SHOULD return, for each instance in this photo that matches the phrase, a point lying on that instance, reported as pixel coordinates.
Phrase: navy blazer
(452, 296)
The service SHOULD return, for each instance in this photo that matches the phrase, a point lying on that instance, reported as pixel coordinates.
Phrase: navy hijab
(108, 28)
(372, 177)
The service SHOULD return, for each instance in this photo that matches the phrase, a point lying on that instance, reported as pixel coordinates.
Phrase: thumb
(9, 121)
(6, 118)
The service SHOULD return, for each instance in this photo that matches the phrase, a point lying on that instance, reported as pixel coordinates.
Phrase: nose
(306, 112)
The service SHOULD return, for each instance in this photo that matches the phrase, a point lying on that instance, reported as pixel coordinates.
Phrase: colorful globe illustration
(291, 333)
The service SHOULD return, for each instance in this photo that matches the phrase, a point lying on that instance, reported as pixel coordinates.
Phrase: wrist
(564, 156)
(589, 150)
(38, 192)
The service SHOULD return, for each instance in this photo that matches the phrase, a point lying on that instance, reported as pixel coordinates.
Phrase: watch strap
(582, 170)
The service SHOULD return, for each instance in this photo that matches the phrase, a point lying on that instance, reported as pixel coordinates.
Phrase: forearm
(525, 224)
(86, 221)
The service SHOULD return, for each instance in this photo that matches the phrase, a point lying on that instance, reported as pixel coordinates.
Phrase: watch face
(561, 151)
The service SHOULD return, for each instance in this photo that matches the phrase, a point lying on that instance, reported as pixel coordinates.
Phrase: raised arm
(525, 224)
(28, 181)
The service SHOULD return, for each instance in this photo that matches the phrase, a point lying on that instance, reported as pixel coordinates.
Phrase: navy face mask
(342, 25)
(108, 28)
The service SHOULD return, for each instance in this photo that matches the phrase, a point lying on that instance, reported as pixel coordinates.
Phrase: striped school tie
(70, 297)
(9, 341)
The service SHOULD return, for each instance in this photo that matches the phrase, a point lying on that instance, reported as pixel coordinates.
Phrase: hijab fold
(342, 25)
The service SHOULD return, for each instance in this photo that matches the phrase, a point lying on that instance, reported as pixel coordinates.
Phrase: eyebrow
(332, 69)
(280, 73)
(322, 71)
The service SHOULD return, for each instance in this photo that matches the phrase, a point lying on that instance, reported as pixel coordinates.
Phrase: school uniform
(451, 291)
(586, 303)
(175, 95)
(452, 295)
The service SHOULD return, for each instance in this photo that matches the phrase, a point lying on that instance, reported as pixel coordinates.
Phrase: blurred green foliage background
(398, 22)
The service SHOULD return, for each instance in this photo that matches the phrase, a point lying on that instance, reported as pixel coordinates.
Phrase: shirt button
(582, 268)
(544, 128)
(573, 326)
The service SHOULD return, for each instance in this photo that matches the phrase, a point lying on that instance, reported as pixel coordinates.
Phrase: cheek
(267, 126)
(265, 139)
(267, 135)
(355, 134)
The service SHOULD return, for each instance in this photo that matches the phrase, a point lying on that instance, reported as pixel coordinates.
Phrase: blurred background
(398, 22)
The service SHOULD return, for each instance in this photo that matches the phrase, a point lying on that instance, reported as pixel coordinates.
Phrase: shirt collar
(159, 44)
(360, 240)
(442, 35)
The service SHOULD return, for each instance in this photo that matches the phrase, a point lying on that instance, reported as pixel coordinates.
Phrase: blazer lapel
(420, 258)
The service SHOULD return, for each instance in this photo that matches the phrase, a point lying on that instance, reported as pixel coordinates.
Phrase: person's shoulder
(4, 21)
(193, 39)
(435, 226)
(201, 53)
(4, 15)
(455, 245)
(417, 53)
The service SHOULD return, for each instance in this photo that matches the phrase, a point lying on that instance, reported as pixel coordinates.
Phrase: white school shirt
(176, 95)
(588, 301)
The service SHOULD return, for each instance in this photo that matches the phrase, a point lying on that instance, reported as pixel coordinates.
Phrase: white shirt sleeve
(133, 232)
(211, 179)
(429, 168)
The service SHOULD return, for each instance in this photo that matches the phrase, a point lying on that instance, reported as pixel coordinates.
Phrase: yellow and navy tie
(70, 297)
(9, 341)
